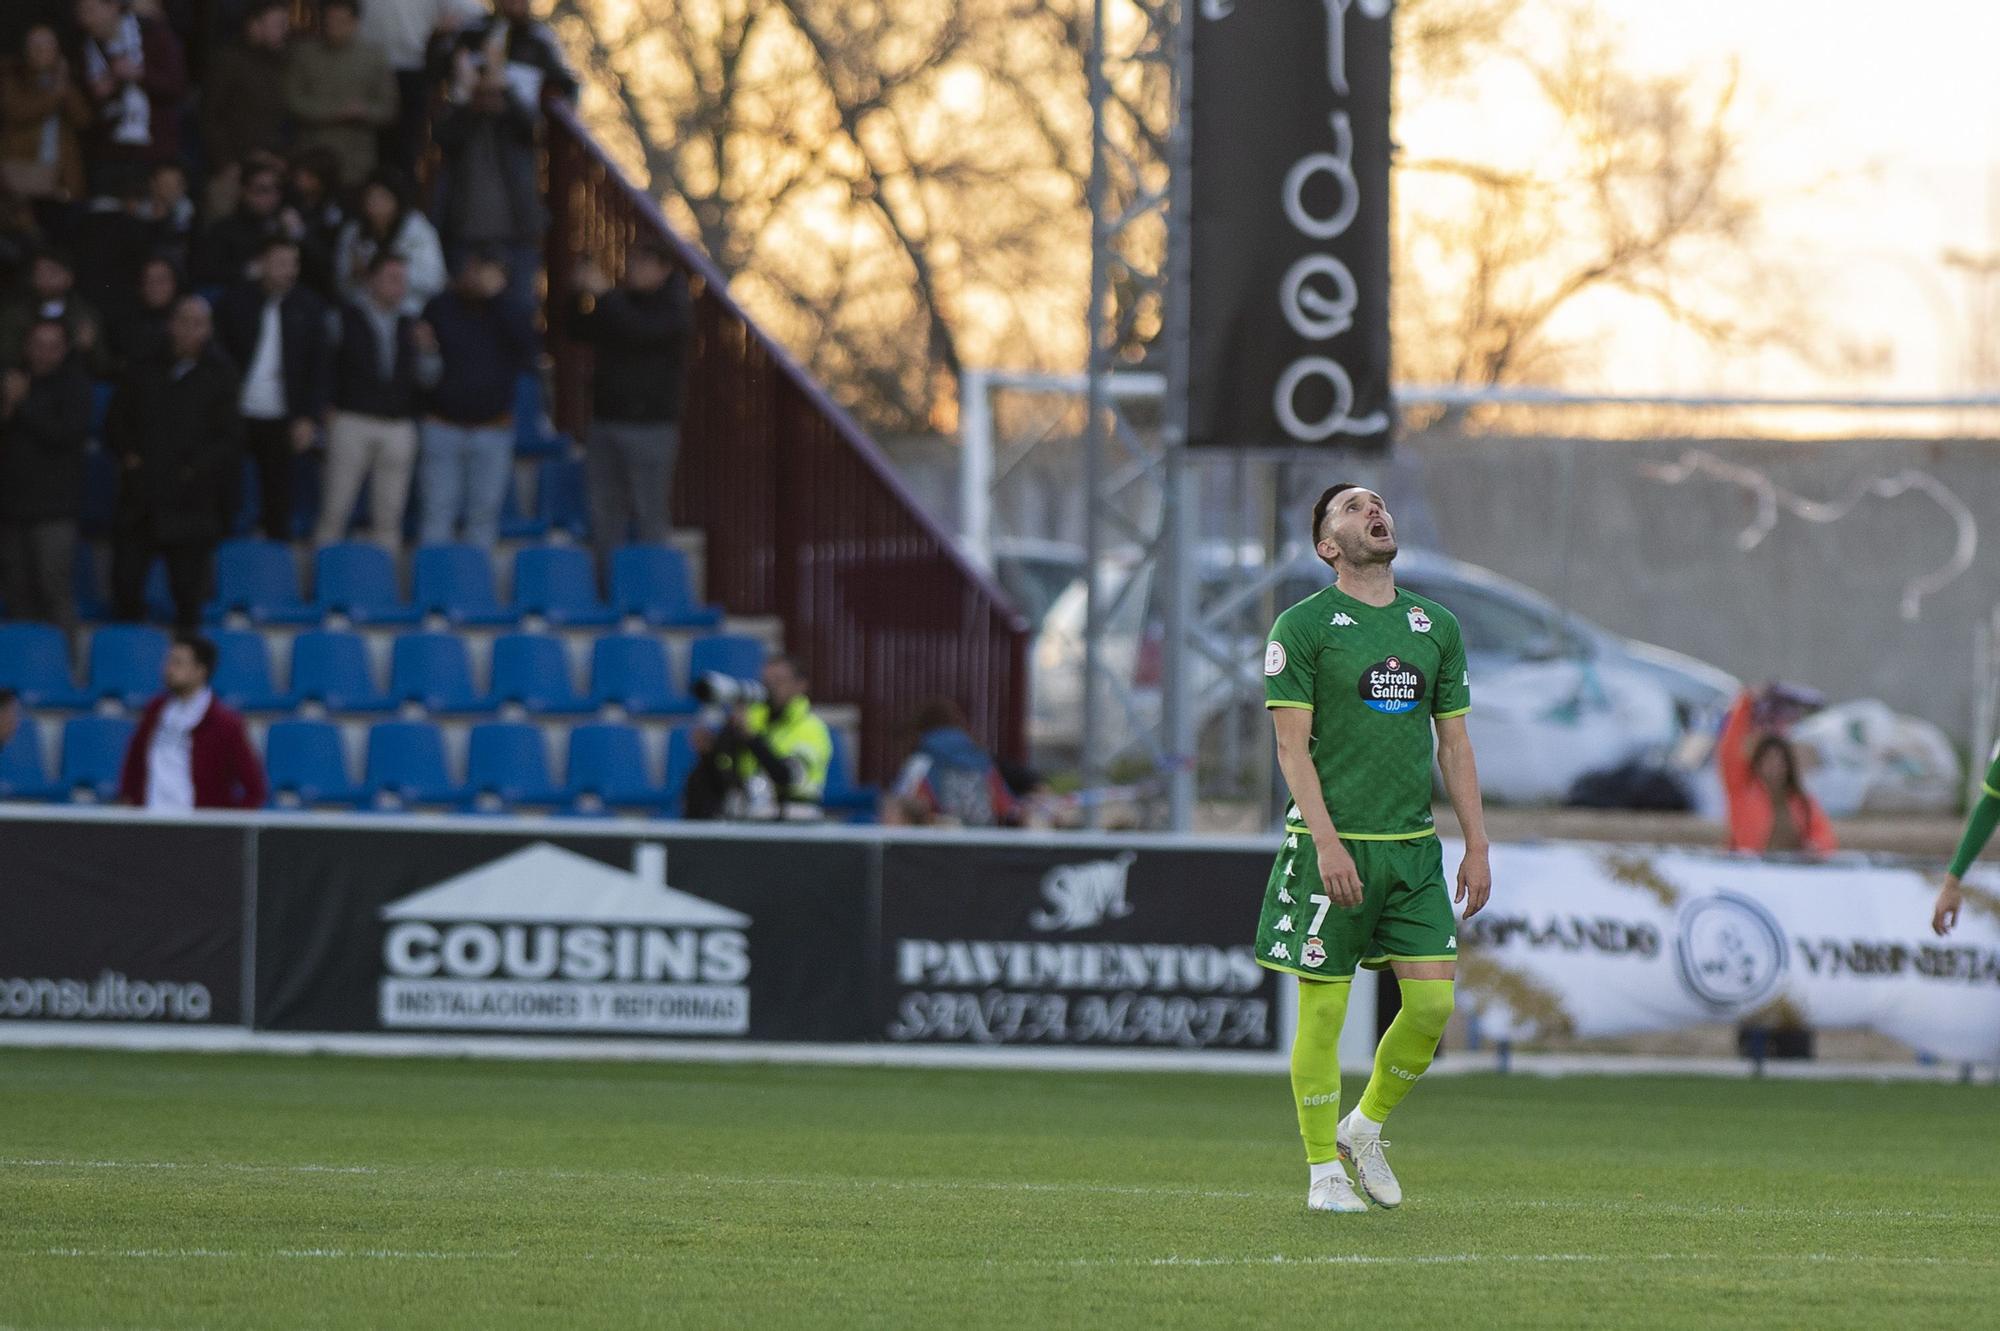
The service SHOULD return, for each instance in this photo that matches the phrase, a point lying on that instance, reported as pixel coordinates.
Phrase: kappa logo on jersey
(1313, 954)
(1392, 685)
(1419, 621)
(1274, 659)
(1343, 620)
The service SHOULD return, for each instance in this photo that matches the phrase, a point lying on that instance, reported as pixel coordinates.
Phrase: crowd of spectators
(218, 215)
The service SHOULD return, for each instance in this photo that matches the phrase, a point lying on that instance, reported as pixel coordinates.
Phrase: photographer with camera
(767, 757)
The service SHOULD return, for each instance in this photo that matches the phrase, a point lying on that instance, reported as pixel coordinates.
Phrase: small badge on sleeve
(1274, 659)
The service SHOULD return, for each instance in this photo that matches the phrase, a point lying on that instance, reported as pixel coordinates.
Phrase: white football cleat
(1334, 1193)
(1364, 1150)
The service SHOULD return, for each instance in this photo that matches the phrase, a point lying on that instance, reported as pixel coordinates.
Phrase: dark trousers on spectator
(403, 142)
(190, 567)
(270, 446)
(628, 467)
(39, 563)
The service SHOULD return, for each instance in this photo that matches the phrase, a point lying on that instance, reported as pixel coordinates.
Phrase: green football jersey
(1373, 677)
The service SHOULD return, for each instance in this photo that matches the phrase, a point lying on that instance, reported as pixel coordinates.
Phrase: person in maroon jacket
(191, 752)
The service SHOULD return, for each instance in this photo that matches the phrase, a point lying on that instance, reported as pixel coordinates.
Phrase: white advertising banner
(1585, 940)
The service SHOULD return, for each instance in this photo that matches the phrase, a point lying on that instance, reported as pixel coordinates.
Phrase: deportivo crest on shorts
(1313, 954)
(1419, 621)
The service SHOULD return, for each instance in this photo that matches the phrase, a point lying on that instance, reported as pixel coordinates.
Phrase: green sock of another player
(1316, 1066)
(1407, 1047)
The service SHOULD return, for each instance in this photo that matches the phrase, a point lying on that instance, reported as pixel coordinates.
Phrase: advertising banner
(366, 930)
(1605, 941)
(125, 922)
(1289, 309)
(997, 944)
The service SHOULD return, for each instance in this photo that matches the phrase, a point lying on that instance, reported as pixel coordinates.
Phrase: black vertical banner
(1290, 300)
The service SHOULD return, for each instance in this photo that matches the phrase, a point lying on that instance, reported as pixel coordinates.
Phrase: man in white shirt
(189, 751)
(276, 332)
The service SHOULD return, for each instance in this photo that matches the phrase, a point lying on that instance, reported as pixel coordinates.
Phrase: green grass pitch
(206, 1191)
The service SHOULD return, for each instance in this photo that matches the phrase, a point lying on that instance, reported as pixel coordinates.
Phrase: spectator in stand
(385, 221)
(496, 75)
(140, 333)
(314, 191)
(276, 330)
(42, 113)
(341, 90)
(227, 251)
(243, 100)
(136, 77)
(1769, 809)
(405, 29)
(476, 342)
(51, 295)
(167, 215)
(176, 434)
(20, 17)
(639, 332)
(949, 779)
(189, 751)
(45, 408)
(372, 435)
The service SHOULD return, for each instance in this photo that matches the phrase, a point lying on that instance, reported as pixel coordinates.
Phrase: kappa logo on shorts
(1284, 924)
(1419, 621)
(1279, 952)
(1313, 953)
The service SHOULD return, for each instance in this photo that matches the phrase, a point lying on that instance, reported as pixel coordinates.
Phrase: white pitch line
(307, 1254)
(1523, 1258)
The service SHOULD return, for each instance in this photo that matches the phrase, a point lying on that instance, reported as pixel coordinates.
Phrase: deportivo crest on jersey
(1419, 621)
(1392, 685)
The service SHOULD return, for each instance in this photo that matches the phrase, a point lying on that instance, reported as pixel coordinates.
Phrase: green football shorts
(1405, 912)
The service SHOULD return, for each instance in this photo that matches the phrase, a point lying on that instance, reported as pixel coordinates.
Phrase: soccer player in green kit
(1356, 677)
(1978, 831)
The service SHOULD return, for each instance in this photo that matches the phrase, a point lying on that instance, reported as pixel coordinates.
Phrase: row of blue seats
(358, 580)
(331, 667)
(507, 768)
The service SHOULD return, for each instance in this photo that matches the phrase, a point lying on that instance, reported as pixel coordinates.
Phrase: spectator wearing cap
(243, 99)
(384, 221)
(45, 408)
(42, 113)
(189, 751)
(51, 296)
(341, 90)
(476, 343)
(276, 330)
(639, 333)
(175, 431)
(372, 435)
(135, 73)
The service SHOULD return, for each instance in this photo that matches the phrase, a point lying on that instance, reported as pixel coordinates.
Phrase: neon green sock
(1316, 1066)
(1408, 1045)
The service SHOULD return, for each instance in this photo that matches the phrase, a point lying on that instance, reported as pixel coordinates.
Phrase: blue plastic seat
(22, 775)
(607, 767)
(436, 670)
(307, 766)
(93, 752)
(736, 655)
(532, 669)
(406, 765)
(559, 502)
(243, 677)
(358, 580)
(651, 581)
(508, 761)
(559, 583)
(681, 760)
(629, 670)
(259, 579)
(34, 662)
(126, 661)
(456, 581)
(844, 796)
(330, 667)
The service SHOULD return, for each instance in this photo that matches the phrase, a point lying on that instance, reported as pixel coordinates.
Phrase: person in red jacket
(1769, 810)
(189, 751)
